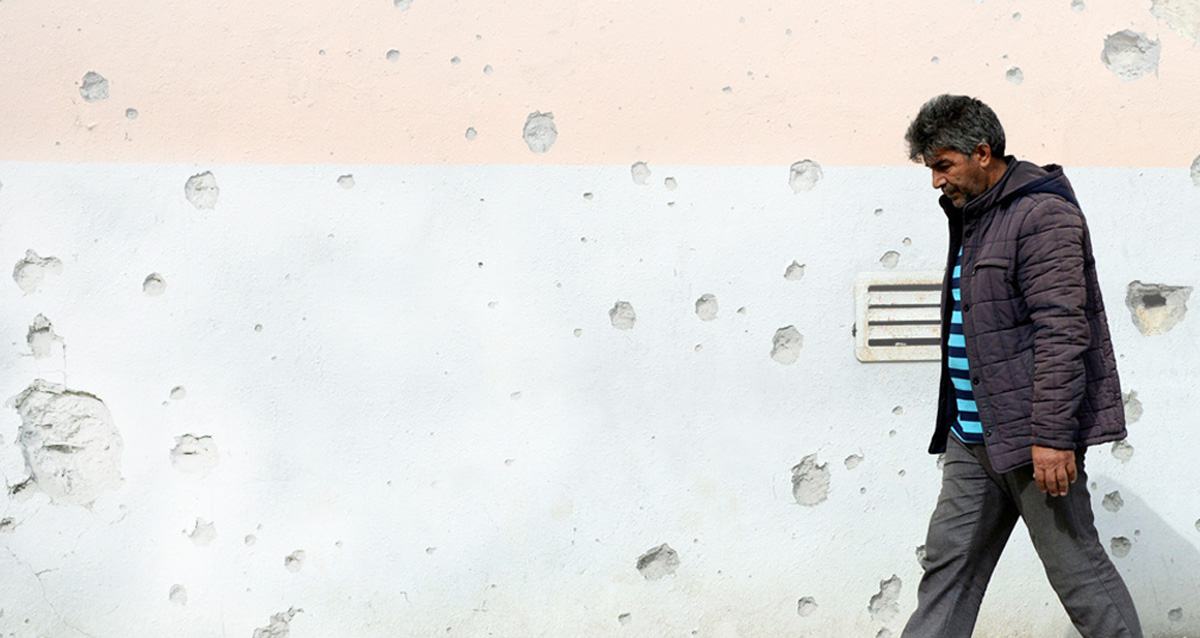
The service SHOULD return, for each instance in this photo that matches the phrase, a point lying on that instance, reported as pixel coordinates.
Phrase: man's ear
(983, 154)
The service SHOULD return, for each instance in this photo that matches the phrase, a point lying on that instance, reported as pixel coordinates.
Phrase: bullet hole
(471, 133)
(625, 619)
(640, 172)
(853, 461)
(430, 550)
(658, 562)
(250, 540)
(131, 114)
(862, 490)
(201, 190)
(884, 632)
(1196, 171)
(578, 332)
(392, 55)
(907, 241)
(30, 272)
(935, 59)
(515, 396)
(1120, 546)
(1133, 407)
(588, 196)
(178, 393)
(785, 346)
(1131, 55)
(794, 271)
(806, 606)
(1156, 308)
(706, 307)
(203, 533)
(294, 561)
(891, 434)
(1017, 16)
(7, 525)
(898, 410)
(1015, 75)
(901, 473)
(280, 625)
(699, 347)
(670, 183)
(178, 595)
(810, 481)
(890, 259)
(1122, 451)
(94, 87)
(885, 605)
(321, 52)
(194, 454)
(1183, 16)
(742, 310)
(540, 131)
(1113, 501)
(879, 212)
(154, 285)
(1078, 5)
(41, 338)
(622, 315)
(402, 5)
(258, 327)
(71, 446)
(727, 90)
(455, 60)
(804, 175)
(921, 556)
(487, 69)
(1175, 615)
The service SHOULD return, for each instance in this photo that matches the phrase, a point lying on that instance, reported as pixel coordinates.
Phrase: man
(1028, 380)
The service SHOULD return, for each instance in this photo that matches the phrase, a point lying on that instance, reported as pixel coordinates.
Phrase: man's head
(960, 139)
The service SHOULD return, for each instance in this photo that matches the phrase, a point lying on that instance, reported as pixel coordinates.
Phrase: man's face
(960, 177)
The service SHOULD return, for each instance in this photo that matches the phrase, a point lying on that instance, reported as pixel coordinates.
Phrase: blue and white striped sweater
(967, 428)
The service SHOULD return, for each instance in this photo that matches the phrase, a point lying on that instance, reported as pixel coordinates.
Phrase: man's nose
(939, 180)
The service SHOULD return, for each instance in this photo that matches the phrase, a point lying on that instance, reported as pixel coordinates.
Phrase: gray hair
(955, 122)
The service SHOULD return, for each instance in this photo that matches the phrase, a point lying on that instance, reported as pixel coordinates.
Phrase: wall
(316, 361)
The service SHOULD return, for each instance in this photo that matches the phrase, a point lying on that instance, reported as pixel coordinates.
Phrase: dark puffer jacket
(1042, 365)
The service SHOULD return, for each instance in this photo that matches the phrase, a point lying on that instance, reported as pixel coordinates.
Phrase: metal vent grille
(897, 316)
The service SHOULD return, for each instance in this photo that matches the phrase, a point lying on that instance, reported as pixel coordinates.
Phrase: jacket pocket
(1003, 263)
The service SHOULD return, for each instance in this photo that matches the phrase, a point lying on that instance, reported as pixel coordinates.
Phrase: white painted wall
(374, 421)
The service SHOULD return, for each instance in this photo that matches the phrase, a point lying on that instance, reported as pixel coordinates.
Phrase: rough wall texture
(416, 318)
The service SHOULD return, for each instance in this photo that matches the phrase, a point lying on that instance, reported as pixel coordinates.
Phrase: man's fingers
(1039, 475)
(1072, 470)
(1059, 483)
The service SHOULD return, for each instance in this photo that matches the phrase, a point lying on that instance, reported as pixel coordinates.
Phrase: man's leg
(970, 525)
(1064, 534)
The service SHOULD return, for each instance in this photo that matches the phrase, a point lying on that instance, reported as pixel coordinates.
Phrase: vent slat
(877, 314)
(898, 316)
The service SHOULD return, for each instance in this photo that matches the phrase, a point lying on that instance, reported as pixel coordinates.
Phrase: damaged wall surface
(288, 353)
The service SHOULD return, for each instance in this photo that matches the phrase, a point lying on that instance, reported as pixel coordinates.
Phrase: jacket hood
(1021, 178)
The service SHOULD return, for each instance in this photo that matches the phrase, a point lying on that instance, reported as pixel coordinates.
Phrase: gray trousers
(975, 515)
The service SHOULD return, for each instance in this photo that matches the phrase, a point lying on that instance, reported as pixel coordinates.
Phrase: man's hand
(1054, 469)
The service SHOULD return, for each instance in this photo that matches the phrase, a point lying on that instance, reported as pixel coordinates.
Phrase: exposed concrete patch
(487, 69)
(202, 191)
(392, 55)
(250, 540)
(1131, 55)
(280, 625)
(625, 619)
(455, 60)
(670, 183)
(640, 172)
(1120, 546)
(806, 606)
(810, 481)
(194, 454)
(794, 272)
(804, 175)
(658, 562)
(898, 410)
(154, 285)
(1133, 407)
(1113, 501)
(131, 113)
(346, 181)
(1156, 308)
(1196, 171)
(1175, 615)
(706, 307)
(71, 446)
(471, 133)
(295, 561)
(786, 345)
(540, 132)
(890, 259)
(94, 87)
(853, 461)
(30, 272)
(1015, 74)
(204, 533)
(1078, 5)
(885, 605)
(41, 338)
(7, 525)
(1122, 450)
(1183, 16)
(622, 315)
(178, 594)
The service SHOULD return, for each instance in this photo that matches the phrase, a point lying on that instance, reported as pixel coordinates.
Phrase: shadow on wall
(1161, 568)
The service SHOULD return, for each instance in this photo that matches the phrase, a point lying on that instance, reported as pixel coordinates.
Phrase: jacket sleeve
(1051, 278)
